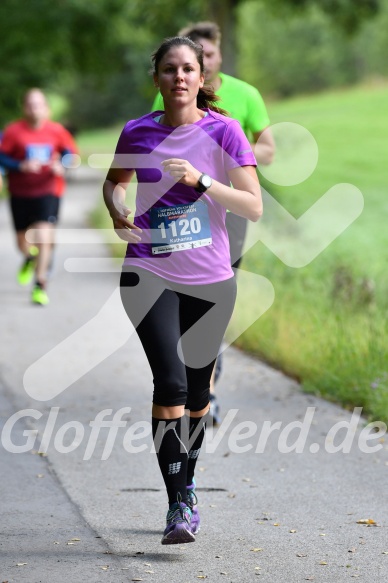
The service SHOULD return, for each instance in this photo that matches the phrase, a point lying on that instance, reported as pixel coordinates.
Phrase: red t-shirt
(21, 141)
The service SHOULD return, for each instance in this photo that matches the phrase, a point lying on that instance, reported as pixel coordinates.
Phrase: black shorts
(26, 211)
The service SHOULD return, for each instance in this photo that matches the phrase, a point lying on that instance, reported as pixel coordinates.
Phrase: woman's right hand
(124, 227)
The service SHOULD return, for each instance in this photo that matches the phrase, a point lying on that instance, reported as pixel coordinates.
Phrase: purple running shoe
(178, 529)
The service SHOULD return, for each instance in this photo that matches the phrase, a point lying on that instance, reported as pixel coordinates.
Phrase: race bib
(180, 227)
(39, 152)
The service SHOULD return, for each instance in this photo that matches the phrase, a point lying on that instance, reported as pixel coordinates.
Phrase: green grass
(100, 141)
(327, 326)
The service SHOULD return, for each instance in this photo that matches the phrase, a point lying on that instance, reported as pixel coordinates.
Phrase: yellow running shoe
(26, 272)
(39, 295)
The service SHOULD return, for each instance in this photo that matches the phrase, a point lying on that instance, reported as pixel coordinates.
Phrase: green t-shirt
(242, 102)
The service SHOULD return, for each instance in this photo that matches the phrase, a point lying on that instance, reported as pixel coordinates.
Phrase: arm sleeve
(158, 103)
(237, 149)
(257, 117)
(8, 162)
(67, 143)
(65, 152)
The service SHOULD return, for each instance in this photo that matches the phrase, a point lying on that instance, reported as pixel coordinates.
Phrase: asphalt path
(81, 501)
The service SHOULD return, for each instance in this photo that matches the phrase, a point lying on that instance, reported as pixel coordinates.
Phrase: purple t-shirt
(184, 238)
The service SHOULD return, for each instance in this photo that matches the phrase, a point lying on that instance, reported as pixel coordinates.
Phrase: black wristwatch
(204, 182)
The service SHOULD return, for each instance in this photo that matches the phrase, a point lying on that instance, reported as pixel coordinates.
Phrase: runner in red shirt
(31, 151)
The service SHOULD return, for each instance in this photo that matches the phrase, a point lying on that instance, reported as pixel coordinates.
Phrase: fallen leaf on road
(366, 521)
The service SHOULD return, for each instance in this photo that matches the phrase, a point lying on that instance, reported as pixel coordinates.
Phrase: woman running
(177, 284)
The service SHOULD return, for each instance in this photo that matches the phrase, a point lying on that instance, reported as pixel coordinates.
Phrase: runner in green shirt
(244, 103)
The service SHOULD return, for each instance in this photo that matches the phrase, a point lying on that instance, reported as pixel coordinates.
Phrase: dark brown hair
(206, 97)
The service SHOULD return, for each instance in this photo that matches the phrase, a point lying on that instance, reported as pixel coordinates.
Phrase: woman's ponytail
(206, 98)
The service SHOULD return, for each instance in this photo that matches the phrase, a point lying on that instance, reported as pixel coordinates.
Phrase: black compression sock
(171, 445)
(197, 428)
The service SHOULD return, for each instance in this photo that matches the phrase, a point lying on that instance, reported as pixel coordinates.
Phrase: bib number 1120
(182, 227)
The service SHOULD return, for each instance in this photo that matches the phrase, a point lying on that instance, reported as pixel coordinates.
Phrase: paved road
(267, 514)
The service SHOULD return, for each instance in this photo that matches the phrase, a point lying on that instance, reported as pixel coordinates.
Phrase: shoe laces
(192, 499)
(178, 512)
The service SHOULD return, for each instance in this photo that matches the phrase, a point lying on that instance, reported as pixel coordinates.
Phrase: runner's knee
(198, 397)
(170, 391)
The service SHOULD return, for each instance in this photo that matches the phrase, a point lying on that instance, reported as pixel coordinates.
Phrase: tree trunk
(224, 12)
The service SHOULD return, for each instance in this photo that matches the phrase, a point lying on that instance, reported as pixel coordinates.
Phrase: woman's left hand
(182, 170)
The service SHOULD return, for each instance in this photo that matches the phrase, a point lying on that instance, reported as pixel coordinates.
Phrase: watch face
(206, 180)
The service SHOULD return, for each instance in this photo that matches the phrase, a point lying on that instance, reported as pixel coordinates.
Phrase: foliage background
(96, 55)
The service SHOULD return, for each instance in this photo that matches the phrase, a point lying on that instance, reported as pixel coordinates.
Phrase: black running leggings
(181, 328)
